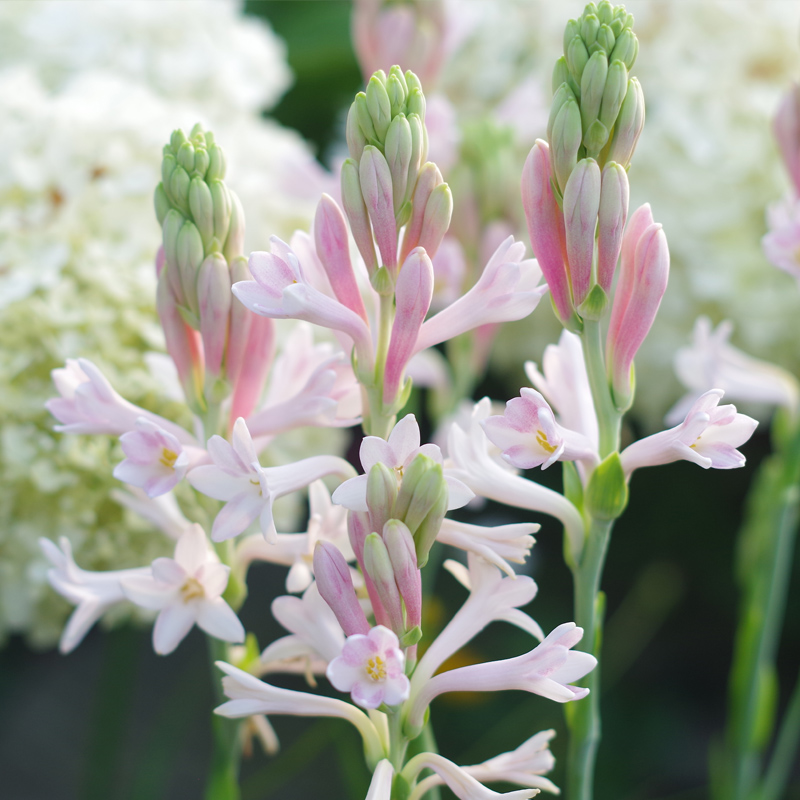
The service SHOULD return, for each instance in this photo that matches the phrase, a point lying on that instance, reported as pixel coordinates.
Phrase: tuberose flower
(371, 668)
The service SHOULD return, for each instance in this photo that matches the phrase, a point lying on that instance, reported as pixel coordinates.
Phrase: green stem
(223, 782)
(609, 419)
(377, 422)
(784, 757)
(584, 715)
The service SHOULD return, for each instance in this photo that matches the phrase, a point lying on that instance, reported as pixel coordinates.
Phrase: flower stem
(223, 780)
(785, 755)
(609, 419)
(376, 421)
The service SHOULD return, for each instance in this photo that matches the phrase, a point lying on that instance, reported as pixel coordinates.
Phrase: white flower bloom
(162, 511)
(250, 489)
(92, 592)
(186, 590)
(380, 787)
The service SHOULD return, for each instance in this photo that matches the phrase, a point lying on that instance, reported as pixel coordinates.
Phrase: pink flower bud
(183, 343)
(259, 352)
(581, 204)
(336, 587)
(333, 249)
(546, 227)
(613, 212)
(214, 300)
(403, 555)
(643, 280)
(358, 528)
(376, 188)
(240, 321)
(379, 567)
(413, 297)
(356, 211)
(160, 259)
(429, 178)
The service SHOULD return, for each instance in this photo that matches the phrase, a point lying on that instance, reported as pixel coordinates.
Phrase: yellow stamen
(192, 590)
(376, 668)
(541, 438)
(168, 457)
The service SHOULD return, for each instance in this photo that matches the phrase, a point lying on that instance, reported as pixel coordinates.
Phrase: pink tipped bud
(786, 127)
(376, 188)
(240, 320)
(356, 211)
(546, 227)
(413, 295)
(333, 249)
(436, 221)
(259, 352)
(379, 567)
(336, 588)
(613, 212)
(581, 204)
(214, 299)
(429, 178)
(183, 344)
(381, 494)
(160, 259)
(647, 284)
(402, 553)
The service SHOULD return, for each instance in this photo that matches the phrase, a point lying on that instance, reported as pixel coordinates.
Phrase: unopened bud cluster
(386, 182)
(202, 224)
(598, 110)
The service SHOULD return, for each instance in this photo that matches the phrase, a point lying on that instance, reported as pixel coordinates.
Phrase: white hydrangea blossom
(89, 92)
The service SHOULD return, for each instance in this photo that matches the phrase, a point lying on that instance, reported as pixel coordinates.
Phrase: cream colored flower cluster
(89, 91)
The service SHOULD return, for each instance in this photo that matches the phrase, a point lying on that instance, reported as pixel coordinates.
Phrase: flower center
(192, 590)
(376, 668)
(168, 457)
(541, 439)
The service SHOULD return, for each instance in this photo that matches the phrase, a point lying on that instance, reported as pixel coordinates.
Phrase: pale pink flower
(248, 489)
(281, 290)
(249, 695)
(470, 461)
(781, 243)
(380, 787)
(155, 460)
(397, 453)
(371, 668)
(708, 437)
(524, 766)
(93, 593)
(492, 597)
(529, 435)
(786, 127)
(457, 779)
(508, 289)
(547, 670)
(162, 511)
(497, 544)
(711, 361)
(88, 404)
(186, 590)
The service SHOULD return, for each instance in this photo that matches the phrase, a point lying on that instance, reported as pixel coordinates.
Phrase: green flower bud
(605, 11)
(356, 140)
(234, 244)
(201, 162)
(605, 39)
(189, 257)
(563, 93)
(398, 151)
(630, 122)
(590, 24)
(173, 222)
(397, 73)
(162, 204)
(577, 56)
(197, 136)
(365, 119)
(614, 94)
(202, 207)
(186, 156)
(595, 139)
(216, 163)
(382, 281)
(168, 164)
(560, 74)
(413, 476)
(626, 49)
(416, 103)
(572, 29)
(396, 91)
(378, 566)
(179, 188)
(357, 216)
(429, 528)
(380, 109)
(222, 209)
(607, 493)
(593, 83)
(595, 305)
(419, 151)
(176, 140)
(381, 494)
(566, 141)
